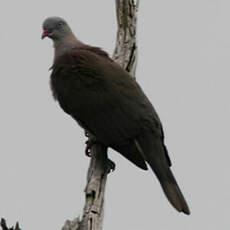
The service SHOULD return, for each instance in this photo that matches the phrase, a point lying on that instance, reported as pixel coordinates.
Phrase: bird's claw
(89, 143)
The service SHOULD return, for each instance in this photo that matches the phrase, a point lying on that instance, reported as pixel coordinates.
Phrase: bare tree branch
(126, 47)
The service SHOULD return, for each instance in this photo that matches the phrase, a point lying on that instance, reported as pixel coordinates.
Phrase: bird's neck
(65, 44)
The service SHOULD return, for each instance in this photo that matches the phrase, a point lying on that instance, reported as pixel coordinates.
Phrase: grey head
(58, 30)
(55, 28)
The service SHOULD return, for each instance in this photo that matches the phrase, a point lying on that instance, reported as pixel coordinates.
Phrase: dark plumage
(104, 99)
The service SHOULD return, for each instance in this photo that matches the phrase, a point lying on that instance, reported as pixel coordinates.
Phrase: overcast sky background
(184, 68)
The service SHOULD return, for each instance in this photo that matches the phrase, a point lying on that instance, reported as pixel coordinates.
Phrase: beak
(45, 33)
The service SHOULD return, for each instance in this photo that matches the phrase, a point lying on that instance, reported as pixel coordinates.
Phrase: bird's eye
(60, 24)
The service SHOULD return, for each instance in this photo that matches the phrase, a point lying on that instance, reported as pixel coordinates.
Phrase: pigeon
(105, 100)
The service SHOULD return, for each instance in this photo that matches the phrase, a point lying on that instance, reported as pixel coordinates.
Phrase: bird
(105, 100)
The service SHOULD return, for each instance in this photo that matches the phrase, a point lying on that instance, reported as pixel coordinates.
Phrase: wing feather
(100, 94)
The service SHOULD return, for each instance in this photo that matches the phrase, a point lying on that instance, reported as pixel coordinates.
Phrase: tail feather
(174, 194)
(153, 149)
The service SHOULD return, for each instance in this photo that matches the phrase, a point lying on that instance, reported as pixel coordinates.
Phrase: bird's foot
(89, 143)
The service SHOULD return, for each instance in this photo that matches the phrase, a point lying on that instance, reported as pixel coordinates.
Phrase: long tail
(154, 153)
(173, 192)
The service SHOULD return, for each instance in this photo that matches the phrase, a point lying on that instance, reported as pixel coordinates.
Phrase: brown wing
(104, 99)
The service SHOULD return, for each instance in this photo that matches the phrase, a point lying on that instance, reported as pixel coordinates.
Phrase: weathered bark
(126, 46)
(126, 55)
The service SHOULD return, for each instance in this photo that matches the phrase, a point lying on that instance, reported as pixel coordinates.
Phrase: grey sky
(184, 56)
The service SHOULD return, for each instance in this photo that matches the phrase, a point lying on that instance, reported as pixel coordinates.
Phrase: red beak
(45, 33)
